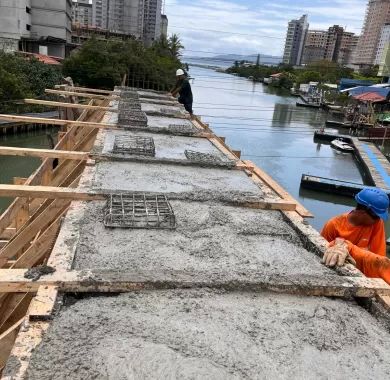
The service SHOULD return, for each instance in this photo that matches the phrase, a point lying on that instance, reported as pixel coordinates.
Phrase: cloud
(253, 26)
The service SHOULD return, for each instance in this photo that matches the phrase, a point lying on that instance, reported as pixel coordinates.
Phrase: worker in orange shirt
(358, 237)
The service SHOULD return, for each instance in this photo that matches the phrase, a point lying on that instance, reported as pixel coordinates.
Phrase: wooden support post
(47, 192)
(84, 89)
(82, 94)
(43, 153)
(42, 120)
(70, 105)
(14, 280)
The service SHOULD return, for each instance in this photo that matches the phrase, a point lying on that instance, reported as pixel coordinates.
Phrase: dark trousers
(187, 105)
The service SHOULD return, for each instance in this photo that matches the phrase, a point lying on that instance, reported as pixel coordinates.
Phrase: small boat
(342, 146)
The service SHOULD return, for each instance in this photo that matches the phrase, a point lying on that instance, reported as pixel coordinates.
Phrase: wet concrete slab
(203, 334)
(153, 177)
(166, 146)
(228, 241)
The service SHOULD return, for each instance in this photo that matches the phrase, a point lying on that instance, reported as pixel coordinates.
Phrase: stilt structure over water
(206, 263)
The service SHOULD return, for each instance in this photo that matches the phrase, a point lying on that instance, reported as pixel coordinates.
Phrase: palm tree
(175, 45)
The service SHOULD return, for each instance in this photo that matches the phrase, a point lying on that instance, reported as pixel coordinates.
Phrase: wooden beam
(42, 120)
(105, 281)
(43, 153)
(269, 205)
(82, 94)
(85, 89)
(69, 105)
(278, 189)
(47, 192)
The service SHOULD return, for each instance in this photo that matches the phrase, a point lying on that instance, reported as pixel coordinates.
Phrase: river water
(262, 122)
(265, 124)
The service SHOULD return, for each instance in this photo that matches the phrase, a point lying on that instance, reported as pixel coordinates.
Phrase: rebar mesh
(137, 145)
(182, 129)
(133, 118)
(129, 104)
(129, 95)
(202, 157)
(139, 211)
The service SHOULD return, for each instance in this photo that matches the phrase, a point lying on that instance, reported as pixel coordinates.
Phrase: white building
(36, 26)
(152, 21)
(164, 26)
(384, 41)
(124, 16)
(295, 41)
(82, 12)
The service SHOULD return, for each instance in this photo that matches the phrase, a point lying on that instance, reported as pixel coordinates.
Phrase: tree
(175, 46)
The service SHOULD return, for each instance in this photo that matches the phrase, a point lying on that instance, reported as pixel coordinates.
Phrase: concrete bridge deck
(199, 333)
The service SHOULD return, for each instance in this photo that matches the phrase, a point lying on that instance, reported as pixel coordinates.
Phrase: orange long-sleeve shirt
(366, 244)
(371, 238)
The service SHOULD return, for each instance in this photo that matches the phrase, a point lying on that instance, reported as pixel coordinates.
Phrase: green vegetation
(103, 64)
(96, 64)
(321, 71)
(23, 78)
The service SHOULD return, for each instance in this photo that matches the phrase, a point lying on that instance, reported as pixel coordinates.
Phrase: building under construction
(145, 248)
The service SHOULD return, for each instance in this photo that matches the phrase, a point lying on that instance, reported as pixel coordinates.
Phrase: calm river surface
(263, 123)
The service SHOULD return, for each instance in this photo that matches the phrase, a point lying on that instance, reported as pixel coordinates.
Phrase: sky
(253, 26)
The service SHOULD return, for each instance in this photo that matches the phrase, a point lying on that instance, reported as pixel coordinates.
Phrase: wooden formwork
(30, 225)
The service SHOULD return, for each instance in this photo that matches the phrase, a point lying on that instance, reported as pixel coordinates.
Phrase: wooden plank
(40, 221)
(85, 89)
(7, 339)
(47, 192)
(43, 153)
(9, 232)
(82, 94)
(105, 281)
(279, 190)
(19, 180)
(41, 307)
(42, 120)
(270, 205)
(70, 105)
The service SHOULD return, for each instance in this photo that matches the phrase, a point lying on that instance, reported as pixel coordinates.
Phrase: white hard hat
(179, 72)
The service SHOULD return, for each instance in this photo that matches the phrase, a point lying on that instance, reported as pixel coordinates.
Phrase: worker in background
(358, 237)
(183, 88)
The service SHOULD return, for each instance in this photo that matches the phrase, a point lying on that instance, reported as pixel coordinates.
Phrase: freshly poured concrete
(167, 146)
(212, 335)
(149, 107)
(152, 177)
(165, 122)
(209, 238)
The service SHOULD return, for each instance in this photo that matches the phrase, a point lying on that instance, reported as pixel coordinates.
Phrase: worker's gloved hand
(338, 254)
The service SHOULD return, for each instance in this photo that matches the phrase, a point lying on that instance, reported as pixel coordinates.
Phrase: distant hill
(265, 59)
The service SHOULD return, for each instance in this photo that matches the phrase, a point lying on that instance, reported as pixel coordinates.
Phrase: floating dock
(174, 259)
(376, 165)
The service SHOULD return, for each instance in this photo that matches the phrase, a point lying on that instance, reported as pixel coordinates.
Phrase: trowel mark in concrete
(227, 241)
(212, 335)
(131, 176)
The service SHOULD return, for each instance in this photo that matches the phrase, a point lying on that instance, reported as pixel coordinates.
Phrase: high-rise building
(333, 45)
(164, 26)
(35, 26)
(124, 16)
(315, 46)
(384, 41)
(152, 21)
(82, 12)
(377, 15)
(295, 41)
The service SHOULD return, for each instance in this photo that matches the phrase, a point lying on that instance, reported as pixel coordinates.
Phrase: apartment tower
(295, 41)
(377, 15)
